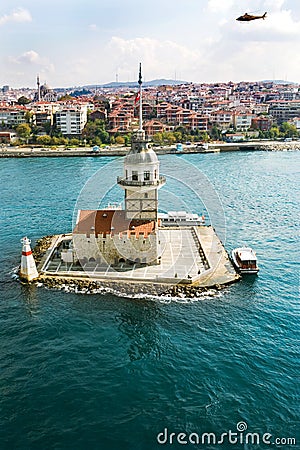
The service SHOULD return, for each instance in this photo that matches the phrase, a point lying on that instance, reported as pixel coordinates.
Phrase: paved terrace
(192, 255)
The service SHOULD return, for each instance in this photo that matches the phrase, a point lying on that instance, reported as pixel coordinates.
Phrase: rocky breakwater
(41, 247)
(280, 146)
(127, 289)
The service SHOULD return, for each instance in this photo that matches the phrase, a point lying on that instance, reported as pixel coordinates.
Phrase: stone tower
(141, 179)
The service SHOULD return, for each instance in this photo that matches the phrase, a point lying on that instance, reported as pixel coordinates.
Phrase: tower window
(135, 176)
(155, 174)
(126, 176)
(146, 195)
(146, 175)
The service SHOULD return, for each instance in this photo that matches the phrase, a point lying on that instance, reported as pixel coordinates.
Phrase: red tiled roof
(113, 221)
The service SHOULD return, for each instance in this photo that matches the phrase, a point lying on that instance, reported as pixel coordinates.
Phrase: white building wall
(72, 120)
(243, 121)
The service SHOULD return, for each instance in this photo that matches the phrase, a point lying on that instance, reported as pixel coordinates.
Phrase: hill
(133, 84)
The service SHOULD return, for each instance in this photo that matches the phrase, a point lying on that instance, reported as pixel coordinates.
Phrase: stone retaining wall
(127, 289)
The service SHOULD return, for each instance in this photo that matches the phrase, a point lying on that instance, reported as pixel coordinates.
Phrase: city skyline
(95, 42)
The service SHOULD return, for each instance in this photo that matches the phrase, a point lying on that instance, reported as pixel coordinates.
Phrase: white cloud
(160, 58)
(274, 5)
(32, 58)
(93, 27)
(29, 57)
(17, 15)
(219, 5)
(281, 22)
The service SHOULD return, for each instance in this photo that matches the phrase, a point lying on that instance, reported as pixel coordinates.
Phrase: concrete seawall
(27, 152)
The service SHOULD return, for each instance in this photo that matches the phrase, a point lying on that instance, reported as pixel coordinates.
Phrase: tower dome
(147, 156)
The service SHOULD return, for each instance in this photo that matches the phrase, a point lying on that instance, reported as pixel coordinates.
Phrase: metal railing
(129, 182)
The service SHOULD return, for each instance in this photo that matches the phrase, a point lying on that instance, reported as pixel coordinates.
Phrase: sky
(82, 42)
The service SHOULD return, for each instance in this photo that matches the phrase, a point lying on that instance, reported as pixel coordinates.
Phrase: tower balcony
(128, 182)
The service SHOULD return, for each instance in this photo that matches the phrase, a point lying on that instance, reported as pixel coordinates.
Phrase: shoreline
(32, 152)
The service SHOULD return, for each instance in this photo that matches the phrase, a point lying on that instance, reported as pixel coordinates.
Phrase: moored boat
(245, 260)
(180, 218)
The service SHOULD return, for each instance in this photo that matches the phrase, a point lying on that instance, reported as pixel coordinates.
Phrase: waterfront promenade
(254, 145)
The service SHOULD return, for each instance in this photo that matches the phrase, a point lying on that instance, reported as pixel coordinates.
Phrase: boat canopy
(247, 254)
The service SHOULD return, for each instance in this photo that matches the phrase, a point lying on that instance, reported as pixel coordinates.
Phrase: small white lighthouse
(28, 270)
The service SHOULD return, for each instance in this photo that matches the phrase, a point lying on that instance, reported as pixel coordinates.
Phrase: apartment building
(71, 120)
(283, 111)
(12, 116)
(242, 121)
(222, 119)
(261, 123)
(152, 127)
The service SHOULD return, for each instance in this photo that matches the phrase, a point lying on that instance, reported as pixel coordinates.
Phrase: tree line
(96, 132)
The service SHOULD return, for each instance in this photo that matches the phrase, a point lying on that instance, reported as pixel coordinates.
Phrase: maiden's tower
(129, 235)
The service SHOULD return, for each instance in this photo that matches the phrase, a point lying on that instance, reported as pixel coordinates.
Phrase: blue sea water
(105, 372)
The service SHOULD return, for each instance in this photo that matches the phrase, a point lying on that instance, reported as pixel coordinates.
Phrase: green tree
(63, 141)
(23, 100)
(288, 129)
(29, 116)
(44, 140)
(94, 129)
(215, 133)
(203, 135)
(158, 138)
(183, 132)
(126, 140)
(24, 131)
(274, 132)
(55, 140)
(96, 141)
(169, 137)
(66, 97)
(120, 140)
(74, 142)
(178, 136)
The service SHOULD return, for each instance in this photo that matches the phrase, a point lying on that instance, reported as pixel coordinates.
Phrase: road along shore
(29, 152)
